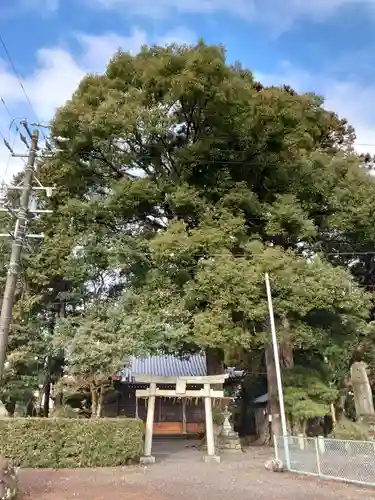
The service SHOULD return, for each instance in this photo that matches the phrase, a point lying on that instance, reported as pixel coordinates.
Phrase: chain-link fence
(352, 461)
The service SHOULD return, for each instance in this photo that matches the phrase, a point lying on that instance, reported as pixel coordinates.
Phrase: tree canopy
(180, 181)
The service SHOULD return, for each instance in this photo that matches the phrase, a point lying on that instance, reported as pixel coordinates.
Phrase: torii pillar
(180, 391)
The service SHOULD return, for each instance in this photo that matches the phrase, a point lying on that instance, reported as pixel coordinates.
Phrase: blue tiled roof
(261, 399)
(165, 366)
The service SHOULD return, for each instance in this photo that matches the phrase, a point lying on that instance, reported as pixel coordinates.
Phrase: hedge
(70, 443)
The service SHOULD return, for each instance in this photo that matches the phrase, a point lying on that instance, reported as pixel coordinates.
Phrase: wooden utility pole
(16, 250)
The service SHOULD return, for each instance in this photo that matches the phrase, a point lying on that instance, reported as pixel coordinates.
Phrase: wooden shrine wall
(168, 411)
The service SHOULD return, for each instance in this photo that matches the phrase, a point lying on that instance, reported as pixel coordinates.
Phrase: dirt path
(181, 474)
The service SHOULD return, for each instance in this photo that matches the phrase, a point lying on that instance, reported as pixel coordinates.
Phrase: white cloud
(53, 82)
(98, 49)
(17, 7)
(58, 72)
(57, 75)
(162, 8)
(279, 14)
(178, 35)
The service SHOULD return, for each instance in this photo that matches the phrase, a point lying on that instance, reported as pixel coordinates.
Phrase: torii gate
(180, 391)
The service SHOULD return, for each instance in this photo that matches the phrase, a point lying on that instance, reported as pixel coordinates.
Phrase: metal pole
(15, 257)
(276, 445)
(317, 456)
(278, 371)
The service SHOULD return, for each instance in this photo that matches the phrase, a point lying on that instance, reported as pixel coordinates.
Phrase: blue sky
(322, 45)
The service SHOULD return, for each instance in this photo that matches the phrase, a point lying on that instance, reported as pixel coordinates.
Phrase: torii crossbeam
(180, 391)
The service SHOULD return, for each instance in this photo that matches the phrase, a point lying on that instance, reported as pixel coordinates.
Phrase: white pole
(278, 372)
(276, 445)
(317, 456)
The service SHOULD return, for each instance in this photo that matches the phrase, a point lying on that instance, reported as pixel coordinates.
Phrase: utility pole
(16, 250)
(278, 375)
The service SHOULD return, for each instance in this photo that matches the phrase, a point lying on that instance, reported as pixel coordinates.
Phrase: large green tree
(180, 181)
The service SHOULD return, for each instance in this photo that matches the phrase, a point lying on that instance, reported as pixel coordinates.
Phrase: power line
(18, 76)
(349, 253)
(6, 108)
(13, 119)
(201, 162)
(221, 254)
(215, 147)
(9, 160)
(15, 137)
(3, 175)
(2, 42)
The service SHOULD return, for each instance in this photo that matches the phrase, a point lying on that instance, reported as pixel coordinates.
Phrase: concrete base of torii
(147, 460)
(212, 459)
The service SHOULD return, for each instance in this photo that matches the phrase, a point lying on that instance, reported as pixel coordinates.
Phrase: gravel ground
(181, 474)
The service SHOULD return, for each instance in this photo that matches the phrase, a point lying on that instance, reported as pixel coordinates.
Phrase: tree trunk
(214, 361)
(10, 407)
(286, 361)
(39, 403)
(46, 397)
(273, 399)
(94, 401)
(215, 365)
(285, 347)
(61, 310)
(59, 400)
(99, 409)
(30, 408)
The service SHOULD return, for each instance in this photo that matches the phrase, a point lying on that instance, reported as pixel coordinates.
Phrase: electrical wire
(6, 108)
(350, 253)
(4, 174)
(12, 118)
(7, 53)
(18, 76)
(315, 252)
(9, 160)
(217, 149)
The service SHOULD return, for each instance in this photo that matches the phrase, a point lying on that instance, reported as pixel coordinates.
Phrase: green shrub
(65, 412)
(62, 442)
(217, 416)
(348, 430)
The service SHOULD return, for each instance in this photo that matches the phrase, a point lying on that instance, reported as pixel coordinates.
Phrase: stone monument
(228, 438)
(363, 401)
(8, 480)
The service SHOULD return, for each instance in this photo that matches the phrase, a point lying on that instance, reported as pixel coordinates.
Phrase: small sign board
(180, 387)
